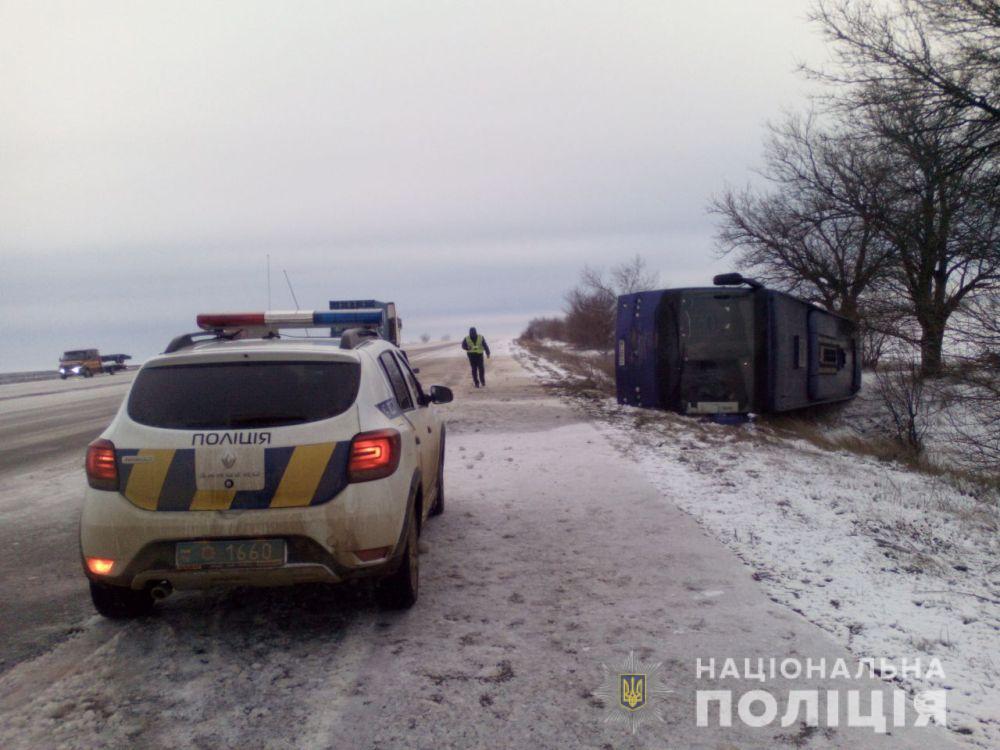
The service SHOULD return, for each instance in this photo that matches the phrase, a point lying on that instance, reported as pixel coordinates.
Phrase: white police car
(250, 459)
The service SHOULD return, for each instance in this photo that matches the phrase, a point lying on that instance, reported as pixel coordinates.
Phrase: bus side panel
(789, 342)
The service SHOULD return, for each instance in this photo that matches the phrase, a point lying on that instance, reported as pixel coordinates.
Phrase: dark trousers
(478, 369)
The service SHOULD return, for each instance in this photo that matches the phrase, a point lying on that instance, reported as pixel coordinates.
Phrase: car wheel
(399, 590)
(438, 508)
(120, 603)
(62, 377)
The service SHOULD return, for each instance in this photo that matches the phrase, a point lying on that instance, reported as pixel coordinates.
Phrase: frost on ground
(554, 556)
(957, 432)
(895, 564)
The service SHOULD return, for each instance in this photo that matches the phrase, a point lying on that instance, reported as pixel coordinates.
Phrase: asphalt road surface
(554, 557)
(46, 420)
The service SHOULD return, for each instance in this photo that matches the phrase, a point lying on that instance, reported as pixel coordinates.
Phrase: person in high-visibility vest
(475, 346)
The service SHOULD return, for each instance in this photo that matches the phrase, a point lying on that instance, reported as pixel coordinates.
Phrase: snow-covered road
(554, 556)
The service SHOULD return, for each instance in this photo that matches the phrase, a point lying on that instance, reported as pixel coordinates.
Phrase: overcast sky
(464, 159)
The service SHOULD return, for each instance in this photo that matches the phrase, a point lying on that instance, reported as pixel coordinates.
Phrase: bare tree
(813, 232)
(976, 423)
(940, 212)
(900, 198)
(943, 53)
(628, 277)
(977, 330)
(633, 275)
(976, 419)
(874, 343)
(591, 305)
(545, 328)
(902, 393)
(590, 321)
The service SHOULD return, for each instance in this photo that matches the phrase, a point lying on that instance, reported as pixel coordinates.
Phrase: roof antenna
(294, 298)
(268, 281)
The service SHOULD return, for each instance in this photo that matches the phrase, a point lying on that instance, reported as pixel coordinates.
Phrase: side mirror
(415, 370)
(441, 395)
(735, 279)
(728, 279)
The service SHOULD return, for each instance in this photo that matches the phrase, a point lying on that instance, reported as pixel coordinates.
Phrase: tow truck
(367, 313)
(88, 362)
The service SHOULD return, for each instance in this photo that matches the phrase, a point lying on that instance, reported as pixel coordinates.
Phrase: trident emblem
(632, 691)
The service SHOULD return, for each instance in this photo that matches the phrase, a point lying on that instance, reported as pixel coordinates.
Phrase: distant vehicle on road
(243, 458)
(381, 317)
(89, 362)
(732, 350)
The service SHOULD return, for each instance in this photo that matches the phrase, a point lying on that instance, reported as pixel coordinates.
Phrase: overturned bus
(732, 349)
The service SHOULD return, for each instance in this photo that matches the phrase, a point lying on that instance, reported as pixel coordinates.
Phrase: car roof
(270, 349)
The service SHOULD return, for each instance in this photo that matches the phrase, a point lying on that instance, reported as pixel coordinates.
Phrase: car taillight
(374, 455)
(102, 467)
(100, 566)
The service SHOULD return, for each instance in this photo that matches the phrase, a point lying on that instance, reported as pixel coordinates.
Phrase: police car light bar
(290, 319)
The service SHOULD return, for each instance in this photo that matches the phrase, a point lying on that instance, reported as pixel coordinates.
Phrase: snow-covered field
(947, 418)
(893, 563)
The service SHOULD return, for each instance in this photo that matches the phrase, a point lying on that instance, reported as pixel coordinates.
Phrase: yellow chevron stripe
(146, 479)
(212, 499)
(301, 478)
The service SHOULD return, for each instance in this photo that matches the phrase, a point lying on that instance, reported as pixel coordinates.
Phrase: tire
(86, 372)
(438, 508)
(62, 377)
(399, 590)
(120, 603)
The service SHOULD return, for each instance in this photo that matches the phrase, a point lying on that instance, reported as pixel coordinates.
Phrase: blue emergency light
(291, 319)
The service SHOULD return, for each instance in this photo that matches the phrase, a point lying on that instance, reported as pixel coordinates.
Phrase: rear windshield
(717, 326)
(718, 348)
(224, 396)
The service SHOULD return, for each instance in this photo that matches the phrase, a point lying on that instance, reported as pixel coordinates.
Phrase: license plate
(233, 468)
(713, 407)
(235, 553)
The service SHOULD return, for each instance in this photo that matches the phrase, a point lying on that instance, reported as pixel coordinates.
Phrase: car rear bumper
(321, 540)
(307, 562)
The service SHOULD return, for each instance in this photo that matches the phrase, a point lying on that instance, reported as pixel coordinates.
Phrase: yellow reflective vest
(474, 347)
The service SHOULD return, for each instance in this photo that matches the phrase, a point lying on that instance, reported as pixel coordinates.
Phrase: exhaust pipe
(161, 590)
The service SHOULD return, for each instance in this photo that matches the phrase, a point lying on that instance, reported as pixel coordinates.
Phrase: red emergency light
(213, 322)
(290, 319)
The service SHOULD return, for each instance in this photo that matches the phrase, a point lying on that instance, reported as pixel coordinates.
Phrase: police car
(240, 457)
